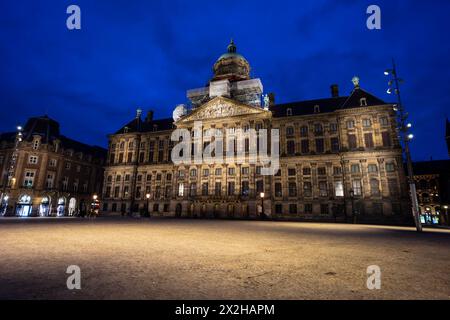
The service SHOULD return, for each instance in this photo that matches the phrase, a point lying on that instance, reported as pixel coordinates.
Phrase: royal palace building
(339, 157)
(45, 173)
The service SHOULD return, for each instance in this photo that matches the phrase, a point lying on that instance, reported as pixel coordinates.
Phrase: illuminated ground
(194, 259)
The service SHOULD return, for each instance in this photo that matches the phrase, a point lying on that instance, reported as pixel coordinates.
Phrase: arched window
(289, 112)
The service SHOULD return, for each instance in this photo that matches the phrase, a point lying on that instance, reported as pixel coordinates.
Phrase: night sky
(146, 54)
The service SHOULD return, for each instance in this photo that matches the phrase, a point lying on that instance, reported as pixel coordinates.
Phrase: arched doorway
(44, 207)
(178, 210)
(230, 211)
(61, 208)
(24, 206)
(72, 206)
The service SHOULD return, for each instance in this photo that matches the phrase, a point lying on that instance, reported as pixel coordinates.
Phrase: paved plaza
(126, 258)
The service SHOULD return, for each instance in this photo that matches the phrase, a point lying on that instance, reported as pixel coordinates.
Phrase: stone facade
(339, 157)
(51, 174)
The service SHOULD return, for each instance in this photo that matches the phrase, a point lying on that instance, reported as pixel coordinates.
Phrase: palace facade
(340, 156)
(45, 173)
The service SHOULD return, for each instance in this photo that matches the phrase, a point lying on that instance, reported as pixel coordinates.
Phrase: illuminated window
(339, 189)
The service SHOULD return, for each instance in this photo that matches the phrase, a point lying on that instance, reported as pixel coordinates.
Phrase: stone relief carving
(220, 109)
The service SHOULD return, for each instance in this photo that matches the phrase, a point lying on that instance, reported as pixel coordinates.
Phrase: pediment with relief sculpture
(221, 107)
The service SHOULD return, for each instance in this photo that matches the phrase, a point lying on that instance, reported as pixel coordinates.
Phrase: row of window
(324, 189)
(30, 175)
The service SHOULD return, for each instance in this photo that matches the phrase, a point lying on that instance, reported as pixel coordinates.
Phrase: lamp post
(446, 215)
(262, 204)
(406, 137)
(352, 197)
(147, 196)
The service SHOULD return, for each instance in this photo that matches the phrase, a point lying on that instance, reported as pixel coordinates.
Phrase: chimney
(149, 117)
(334, 90)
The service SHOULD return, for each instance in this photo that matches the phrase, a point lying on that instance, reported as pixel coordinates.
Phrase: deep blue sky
(148, 53)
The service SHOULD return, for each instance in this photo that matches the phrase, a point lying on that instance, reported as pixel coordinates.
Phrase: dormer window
(125, 130)
(155, 127)
(316, 108)
(363, 102)
(289, 112)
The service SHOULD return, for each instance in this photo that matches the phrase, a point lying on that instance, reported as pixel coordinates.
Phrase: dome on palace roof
(231, 65)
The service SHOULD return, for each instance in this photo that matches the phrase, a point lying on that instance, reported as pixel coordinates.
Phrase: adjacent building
(44, 173)
(432, 180)
(340, 156)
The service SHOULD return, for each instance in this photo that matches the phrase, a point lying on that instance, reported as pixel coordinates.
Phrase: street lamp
(148, 203)
(262, 204)
(352, 197)
(404, 127)
(95, 197)
(446, 215)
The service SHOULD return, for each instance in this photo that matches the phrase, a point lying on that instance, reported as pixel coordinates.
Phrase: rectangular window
(28, 178)
(291, 147)
(231, 188)
(278, 208)
(372, 168)
(393, 187)
(384, 121)
(366, 123)
(245, 170)
(292, 189)
(245, 188)
(231, 171)
(352, 141)
(337, 170)
(218, 189)
(52, 163)
(205, 172)
(386, 137)
(350, 124)
(205, 188)
(338, 189)
(305, 146)
(323, 189)
(333, 127)
(354, 168)
(390, 167)
(50, 180)
(357, 188)
(306, 171)
(374, 187)
(368, 139)
(321, 171)
(291, 172)
(181, 189)
(218, 172)
(259, 186)
(324, 209)
(67, 166)
(320, 148)
(334, 144)
(278, 190)
(129, 157)
(307, 189)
